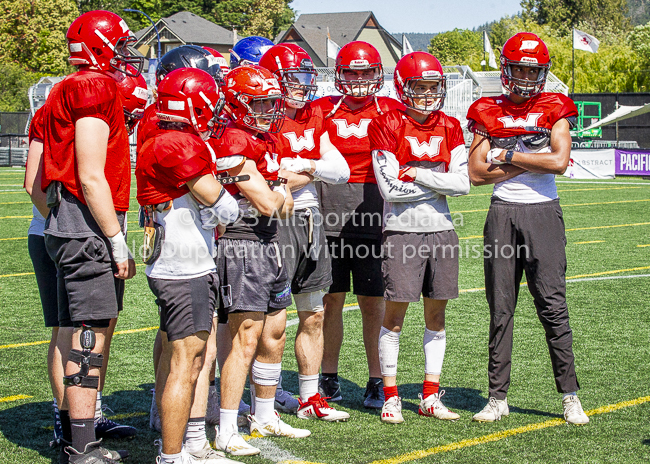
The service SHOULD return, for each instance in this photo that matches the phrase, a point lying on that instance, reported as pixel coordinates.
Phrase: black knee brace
(86, 359)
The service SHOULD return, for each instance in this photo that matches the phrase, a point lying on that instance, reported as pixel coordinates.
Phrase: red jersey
(148, 125)
(259, 148)
(502, 118)
(36, 125)
(86, 94)
(412, 142)
(348, 131)
(301, 136)
(166, 162)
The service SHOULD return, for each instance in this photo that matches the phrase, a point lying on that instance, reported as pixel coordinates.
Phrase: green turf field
(608, 277)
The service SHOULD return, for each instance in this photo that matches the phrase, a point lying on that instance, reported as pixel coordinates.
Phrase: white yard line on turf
(596, 182)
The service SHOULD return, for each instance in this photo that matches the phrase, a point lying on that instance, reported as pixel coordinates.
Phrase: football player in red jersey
(419, 159)
(352, 214)
(183, 201)
(521, 143)
(86, 174)
(256, 290)
(306, 154)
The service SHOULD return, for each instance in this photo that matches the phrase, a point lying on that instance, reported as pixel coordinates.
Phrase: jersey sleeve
(93, 98)
(36, 126)
(383, 132)
(565, 108)
(456, 137)
(474, 113)
(185, 159)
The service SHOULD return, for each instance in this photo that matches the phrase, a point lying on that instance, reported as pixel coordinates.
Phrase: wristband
(509, 155)
(121, 251)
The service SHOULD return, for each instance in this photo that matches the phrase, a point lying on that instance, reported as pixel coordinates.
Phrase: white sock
(264, 410)
(171, 458)
(388, 351)
(568, 394)
(228, 420)
(435, 343)
(195, 435)
(308, 386)
(98, 406)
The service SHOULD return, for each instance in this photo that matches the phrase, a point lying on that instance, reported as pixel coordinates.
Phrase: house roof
(343, 28)
(191, 29)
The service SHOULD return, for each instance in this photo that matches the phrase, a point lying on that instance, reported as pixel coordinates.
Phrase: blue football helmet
(249, 50)
(188, 56)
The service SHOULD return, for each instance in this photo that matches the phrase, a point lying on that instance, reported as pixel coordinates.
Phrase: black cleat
(329, 387)
(106, 428)
(374, 395)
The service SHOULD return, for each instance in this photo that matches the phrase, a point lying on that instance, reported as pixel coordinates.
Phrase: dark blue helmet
(188, 56)
(249, 50)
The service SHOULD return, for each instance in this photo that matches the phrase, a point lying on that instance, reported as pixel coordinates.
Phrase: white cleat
(573, 413)
(316, 407)
(233, 443)
(206, 456)
(493, 411)
(275, 428)
(212, 411)
(432, 406)
(391, 412)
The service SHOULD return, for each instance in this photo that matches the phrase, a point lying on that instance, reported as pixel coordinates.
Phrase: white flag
(332, 49)
(584, 41)
(406, 45)
(487, 48)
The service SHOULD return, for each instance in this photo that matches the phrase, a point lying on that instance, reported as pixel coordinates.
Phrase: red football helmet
(221, 61)
(295, 70)
(528, 50)
(359, 57)
(191, 96)
(100, 38)
(420, 83)
(254, 98)
(134, 96)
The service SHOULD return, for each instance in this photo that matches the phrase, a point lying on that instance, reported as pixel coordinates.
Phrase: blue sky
(418, 15)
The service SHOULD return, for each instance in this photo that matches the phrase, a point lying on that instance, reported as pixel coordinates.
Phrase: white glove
(246, 209)
(301, 165)
(224, 211)
(120, 250)
(492, 156)
(287, 164)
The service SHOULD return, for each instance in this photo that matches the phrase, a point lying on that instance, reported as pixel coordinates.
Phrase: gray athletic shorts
(88, 292)
(252, 277)
(186, 306)
(304, 249)
(420, 263)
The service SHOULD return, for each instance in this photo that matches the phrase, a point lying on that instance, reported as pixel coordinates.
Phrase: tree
(639, 40)
(14, 84)
(563, 15)
(32, 34)
(460, 46)
(254, 17)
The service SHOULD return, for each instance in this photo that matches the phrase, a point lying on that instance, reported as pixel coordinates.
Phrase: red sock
(389, 392)
(430, 388)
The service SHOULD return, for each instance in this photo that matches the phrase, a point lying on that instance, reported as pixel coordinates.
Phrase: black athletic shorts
(85, 275)
(186, 306)
(45, 271)
(362, 258)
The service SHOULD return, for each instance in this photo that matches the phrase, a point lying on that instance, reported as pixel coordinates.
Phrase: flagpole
(573, 61)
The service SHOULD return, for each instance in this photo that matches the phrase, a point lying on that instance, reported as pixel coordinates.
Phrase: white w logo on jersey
(430, 148)
(345, 130)
(271, 163)
(304, 142)
(510, 122)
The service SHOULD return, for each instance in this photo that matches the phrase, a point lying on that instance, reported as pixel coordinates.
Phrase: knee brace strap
(86, 359)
